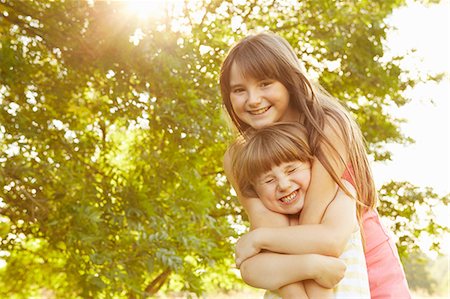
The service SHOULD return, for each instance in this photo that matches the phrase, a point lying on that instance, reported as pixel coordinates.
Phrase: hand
(247, 247)
(330, 271)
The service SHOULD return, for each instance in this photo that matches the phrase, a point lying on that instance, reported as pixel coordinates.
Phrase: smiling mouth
(289, 198)
(259, 111)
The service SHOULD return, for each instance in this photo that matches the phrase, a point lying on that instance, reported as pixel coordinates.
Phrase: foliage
(112, 135)
(418, 274)
(427, 276)
(413, 214)
(108, 170)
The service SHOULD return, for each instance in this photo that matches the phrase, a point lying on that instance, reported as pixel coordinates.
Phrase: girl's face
(282, 189)
(259, 103)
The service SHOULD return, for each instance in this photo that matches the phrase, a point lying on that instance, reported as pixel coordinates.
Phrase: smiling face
(282, 189)
(263, 57)
(274, 164)
(259, 102)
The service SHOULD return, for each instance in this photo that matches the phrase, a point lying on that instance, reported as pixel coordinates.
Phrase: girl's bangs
(265, 154)
(257, 62)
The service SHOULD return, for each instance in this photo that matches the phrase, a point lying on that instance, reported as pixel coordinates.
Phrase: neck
(293, 115)
(294, 219)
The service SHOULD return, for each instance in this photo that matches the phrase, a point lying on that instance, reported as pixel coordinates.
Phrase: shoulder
(228, 160)
(336, 126)
(229, 155)
(336, 138)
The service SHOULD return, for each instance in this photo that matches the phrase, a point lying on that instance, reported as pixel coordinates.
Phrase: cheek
(264, 193)
(236, 102)
(307, 180)
(259, 190)
(283, 94)
(286, 100)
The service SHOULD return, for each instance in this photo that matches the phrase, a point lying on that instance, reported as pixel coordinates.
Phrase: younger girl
(274, 164)
(262, 82)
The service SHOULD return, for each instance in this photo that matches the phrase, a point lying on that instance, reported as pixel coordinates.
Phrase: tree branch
(158, 282)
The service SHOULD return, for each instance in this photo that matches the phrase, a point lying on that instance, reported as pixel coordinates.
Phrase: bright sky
(427, 162)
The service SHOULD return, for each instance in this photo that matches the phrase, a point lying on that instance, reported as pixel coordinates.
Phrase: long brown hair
(266, 55)
(262, 149)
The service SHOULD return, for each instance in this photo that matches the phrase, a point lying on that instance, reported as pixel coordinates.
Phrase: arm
(322, 188)
(314, 290)
(293, 291)
(328, 238)
(260, 216)
(272, 271)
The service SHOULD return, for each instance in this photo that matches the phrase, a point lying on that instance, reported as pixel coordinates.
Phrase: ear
(249, 191)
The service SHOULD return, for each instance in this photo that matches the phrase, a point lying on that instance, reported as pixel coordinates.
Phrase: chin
(298, 210)
(292, 211)
(259, 126)
(262, 124)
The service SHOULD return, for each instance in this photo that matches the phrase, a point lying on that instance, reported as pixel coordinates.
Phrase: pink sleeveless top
(386, 276)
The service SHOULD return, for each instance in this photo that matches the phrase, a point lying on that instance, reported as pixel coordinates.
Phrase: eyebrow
(235, 85)
(265, 176)
(291, 164)
(298, 164)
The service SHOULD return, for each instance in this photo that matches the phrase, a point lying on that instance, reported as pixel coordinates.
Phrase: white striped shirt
(355, 283)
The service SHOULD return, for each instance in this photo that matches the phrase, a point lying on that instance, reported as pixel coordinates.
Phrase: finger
(238, 263)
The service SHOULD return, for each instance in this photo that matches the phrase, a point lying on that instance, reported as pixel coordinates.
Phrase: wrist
(312, 266)
(259, 238)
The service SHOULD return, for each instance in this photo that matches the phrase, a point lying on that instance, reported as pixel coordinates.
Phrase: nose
(254, 99)
(284, 183)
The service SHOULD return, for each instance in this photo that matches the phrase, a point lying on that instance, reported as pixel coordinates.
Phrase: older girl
(262, 82)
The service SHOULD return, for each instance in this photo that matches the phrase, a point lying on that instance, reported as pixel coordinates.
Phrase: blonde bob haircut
(265, 148)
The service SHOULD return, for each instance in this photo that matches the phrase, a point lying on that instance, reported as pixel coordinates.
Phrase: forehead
(236, 74)
(240, 76)
(247, 68)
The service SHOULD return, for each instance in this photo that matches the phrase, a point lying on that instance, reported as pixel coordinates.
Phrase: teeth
(289, 198)
(259, 111)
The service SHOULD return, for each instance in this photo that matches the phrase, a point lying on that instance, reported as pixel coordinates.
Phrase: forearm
(328, 238)
(260, 216)
(302, 239)
(314, 290)
(272, 271)
(293, 291)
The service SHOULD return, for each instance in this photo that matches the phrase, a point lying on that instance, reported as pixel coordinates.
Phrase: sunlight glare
(145, 10)
(151, 9)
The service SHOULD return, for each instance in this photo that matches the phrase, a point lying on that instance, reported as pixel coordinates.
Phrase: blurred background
(112, 136)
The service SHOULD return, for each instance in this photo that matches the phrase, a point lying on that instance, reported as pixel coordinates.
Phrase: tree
(109, 173)
(112, 135)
